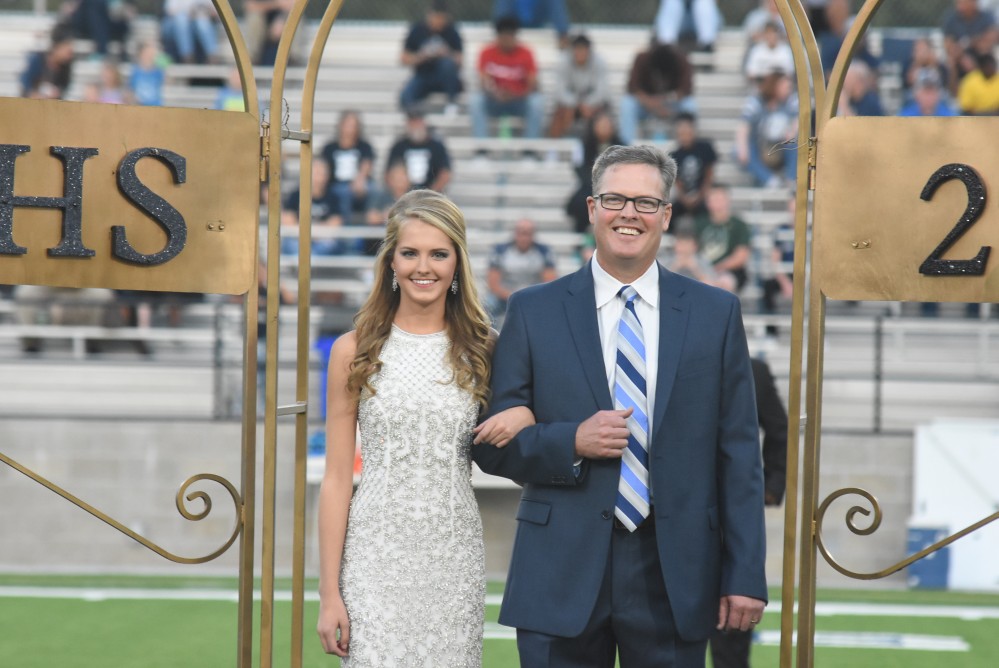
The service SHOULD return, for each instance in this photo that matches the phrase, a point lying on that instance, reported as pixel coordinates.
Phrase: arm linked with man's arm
(542, 453)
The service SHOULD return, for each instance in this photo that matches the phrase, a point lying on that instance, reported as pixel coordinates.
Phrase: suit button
(606, 514)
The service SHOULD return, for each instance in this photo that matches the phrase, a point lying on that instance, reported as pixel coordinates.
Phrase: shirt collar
(606, 286)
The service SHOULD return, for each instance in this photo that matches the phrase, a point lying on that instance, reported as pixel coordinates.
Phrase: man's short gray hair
(636, 155)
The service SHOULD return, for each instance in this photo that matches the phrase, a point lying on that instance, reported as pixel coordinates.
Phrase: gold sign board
(116, 196)
(903, 210)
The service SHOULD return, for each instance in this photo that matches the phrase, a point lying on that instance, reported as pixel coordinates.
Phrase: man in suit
(731, 649)
(640, 528)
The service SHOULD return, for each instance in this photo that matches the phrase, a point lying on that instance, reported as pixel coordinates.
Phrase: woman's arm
(503, 426)
(334, 496)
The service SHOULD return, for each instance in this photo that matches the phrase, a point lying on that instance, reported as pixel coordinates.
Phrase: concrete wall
(133, 469)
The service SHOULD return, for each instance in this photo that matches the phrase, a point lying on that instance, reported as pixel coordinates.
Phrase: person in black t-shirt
(349, 159)
(695, 163)
(433, 49)
(427, 162)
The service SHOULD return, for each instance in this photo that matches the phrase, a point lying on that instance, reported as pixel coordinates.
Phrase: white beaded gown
(413, 573)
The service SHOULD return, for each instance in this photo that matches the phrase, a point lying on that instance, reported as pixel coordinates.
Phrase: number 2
(934, 265)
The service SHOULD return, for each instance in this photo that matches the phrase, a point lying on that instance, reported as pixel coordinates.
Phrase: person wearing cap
(772, 53)
(928, 98)
(581, 81)
(427, 162)
(508, 76)
(433, 48)
(769, 119)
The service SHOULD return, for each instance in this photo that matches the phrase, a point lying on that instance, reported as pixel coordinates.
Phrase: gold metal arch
(815, 94)
(299, 408)
(243, 502)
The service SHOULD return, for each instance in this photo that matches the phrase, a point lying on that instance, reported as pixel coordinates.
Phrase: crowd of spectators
(951, 70)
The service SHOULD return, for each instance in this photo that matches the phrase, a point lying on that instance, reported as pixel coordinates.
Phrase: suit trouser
(731, 650)
(632, 618)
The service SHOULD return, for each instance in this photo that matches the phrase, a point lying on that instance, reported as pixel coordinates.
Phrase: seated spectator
(536, 14)
(781, 269)
(757, 19)
(425, 158)
(104, 21)
(47, 74)
(924, 56)
(600, 133)
(433, 48)
(700, 17)
(110, 89)
(325, 214)
(660, 85)
(263, 20)
(685, 258)
(860, 95)
(581, 86)
(928, 97)
(382, 199)
(968, 31)
(230, 96)
(517, 264)
(838, 21)
(147, 77)
(349, 159)
(769, 119)
(724, 237)
(771, 54)
(695, 168)
(508, 78)
(188, 28)
(817, 15)
(978, 92)
(44, 305)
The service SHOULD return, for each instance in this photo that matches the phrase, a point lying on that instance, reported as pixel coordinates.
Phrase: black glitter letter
(153, 205)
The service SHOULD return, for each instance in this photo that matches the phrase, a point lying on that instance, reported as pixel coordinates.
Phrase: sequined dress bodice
(413, 575)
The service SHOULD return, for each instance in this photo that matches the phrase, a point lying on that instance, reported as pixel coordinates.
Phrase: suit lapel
(581, 312)
(673, 316)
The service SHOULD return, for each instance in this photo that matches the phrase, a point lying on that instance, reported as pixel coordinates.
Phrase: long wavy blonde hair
(466, 322)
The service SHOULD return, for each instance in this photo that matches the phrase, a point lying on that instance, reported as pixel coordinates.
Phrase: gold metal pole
(826, 107)
(248, 473)
(273, 309)
(807, 67)
(302, 366)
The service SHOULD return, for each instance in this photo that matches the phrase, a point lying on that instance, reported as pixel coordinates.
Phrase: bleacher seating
(361, 70)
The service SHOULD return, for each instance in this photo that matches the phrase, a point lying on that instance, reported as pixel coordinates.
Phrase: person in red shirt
(508, 82)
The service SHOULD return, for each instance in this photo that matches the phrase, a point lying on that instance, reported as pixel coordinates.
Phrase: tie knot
(628, 294)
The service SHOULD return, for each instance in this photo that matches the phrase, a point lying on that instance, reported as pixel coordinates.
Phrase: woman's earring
(395, 282)
(454, 286)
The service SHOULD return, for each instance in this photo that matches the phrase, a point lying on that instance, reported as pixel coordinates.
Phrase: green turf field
(89, 622)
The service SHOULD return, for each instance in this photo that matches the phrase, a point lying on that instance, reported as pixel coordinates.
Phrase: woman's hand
(502, 427)
(334, 626)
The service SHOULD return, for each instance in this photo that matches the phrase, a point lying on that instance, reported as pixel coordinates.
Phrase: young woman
(402, 577)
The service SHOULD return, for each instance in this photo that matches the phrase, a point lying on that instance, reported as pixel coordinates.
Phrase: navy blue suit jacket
(706, 473)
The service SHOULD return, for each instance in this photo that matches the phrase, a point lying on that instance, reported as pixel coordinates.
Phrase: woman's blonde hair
(466, 322)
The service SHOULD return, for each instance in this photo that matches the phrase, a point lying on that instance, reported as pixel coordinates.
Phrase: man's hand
(740, 613)
(603, 435)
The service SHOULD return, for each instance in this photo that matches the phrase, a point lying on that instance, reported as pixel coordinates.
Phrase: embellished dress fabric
(413, 574)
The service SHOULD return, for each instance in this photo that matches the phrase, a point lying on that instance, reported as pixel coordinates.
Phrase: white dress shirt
(609, 309)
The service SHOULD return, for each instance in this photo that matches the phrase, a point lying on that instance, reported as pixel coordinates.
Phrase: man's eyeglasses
(615, 202)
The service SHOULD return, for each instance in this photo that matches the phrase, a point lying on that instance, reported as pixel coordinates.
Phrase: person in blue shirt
(146, 79)
(928, 98)
(536, 14)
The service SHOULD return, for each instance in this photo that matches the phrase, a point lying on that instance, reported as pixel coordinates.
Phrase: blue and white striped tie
(629, 392)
